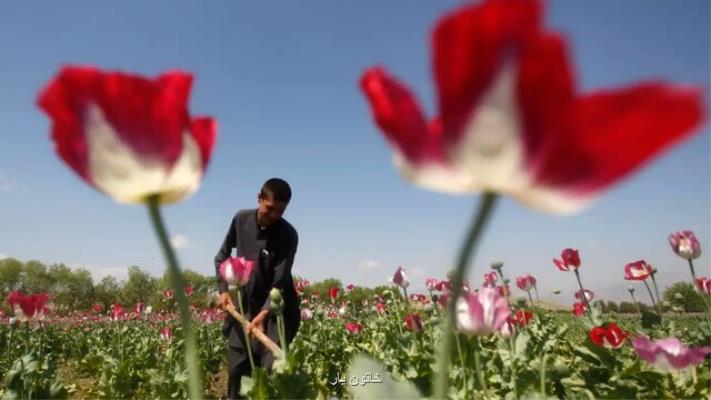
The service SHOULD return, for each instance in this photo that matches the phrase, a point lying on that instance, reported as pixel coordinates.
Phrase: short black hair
(278, 189)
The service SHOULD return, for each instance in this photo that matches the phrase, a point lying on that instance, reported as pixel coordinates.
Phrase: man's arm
(283, 270)
(224, 253)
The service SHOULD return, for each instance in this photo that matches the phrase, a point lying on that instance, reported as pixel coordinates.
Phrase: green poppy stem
(248, 342)
(584, 296)
(192, 361)
(634, 301)
(656, 289)
(461, 361)
(477, 364)
(654, 303)
(486, 205)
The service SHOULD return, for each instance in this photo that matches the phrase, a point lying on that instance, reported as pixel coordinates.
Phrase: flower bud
(560, 367)
(496, 264)
(275, 295)
(276, 306)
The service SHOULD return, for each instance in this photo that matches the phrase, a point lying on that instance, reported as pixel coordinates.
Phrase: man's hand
(225, 300)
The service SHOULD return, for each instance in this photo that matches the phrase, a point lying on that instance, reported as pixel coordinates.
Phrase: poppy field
(503, 350)
(510, 120)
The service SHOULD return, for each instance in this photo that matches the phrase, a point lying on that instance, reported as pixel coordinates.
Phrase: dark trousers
(239, 366)
(237, 356)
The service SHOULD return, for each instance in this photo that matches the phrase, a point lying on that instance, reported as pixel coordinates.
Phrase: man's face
(269, 210)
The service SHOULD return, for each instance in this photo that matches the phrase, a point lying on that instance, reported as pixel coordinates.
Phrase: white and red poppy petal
(545, 91)
(399, 116)
(148, 115)
(470, 46)
(436, 176)
(204, 130)
(633, 123)
(64, 100)
(129, 177)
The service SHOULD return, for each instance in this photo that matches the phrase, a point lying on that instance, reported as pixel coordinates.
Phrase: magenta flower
(589, 295)
(350, 287)
(670, 354)
(704, 285)
(400, 278)
(413, 322)
(570, 260)
(638, 271)
(490, 279)
(431, 284)
(166, 333)
(353, 328)
(503, 290)
(609, 336)
(188, 290)
(579, 308)
(526, 282)
(481, 313)
(306, 314)
(117, 312)
(168, 294)
(685, 244)
(236, 271)
(27, 307)
(444, 285)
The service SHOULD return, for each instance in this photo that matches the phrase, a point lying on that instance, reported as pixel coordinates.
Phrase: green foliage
(685, 296)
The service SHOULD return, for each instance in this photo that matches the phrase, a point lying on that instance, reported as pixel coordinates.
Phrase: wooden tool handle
(256, 332)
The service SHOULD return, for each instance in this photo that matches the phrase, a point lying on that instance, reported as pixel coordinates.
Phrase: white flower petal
(127, 177)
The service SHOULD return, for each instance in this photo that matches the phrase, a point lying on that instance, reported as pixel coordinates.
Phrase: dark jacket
(273, 249)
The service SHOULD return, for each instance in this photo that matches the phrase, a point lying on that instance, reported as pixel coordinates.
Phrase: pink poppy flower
(570, 260)
(400, 278)
(669, 354)
(526, 282)
(579, 308)
(638, 271)
(413, 322)
(685, 244)
(589, 295)
(353, 327)
(490, 279)
(236, 271)
(482, 313)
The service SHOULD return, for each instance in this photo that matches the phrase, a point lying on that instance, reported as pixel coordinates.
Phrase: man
(261, 235)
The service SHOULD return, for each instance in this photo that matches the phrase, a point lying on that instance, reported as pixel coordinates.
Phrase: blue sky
(281, 78)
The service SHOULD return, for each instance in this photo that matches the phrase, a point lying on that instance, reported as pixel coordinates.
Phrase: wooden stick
(256, 332)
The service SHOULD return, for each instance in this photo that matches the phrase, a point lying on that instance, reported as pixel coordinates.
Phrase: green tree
(107, 292)
(600, 305)
(62, 296)
(201, 285)
(10, 275)
(323, 286)
(612, 306)
(140, 286)
(685, 296)
(35, 278)
(627, 307)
